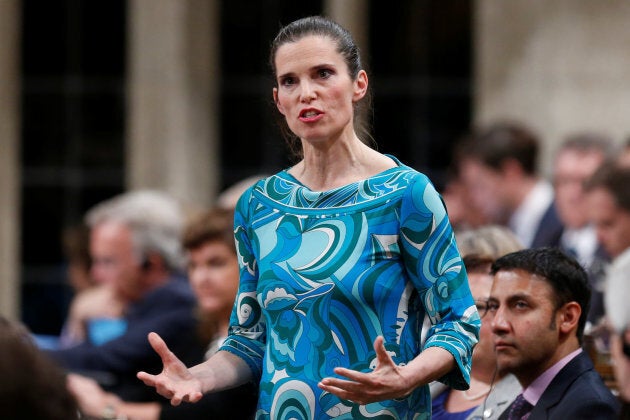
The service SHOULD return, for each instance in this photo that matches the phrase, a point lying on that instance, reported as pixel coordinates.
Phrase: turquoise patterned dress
(324, 273)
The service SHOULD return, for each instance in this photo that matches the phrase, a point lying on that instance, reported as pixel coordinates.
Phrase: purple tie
(519, 408)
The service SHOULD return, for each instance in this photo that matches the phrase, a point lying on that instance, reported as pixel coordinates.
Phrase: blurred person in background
(136, 253)
(462, 210)
(623, 157)
(93, 297)
(31, 385)
(75, 241)
(490, 391)
(498, 165)
(77, 265)
(229, 197)
(609, 210)
(575, 161)
(213, 274)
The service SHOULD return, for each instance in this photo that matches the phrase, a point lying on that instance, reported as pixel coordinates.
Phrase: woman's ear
(276, 101)
(360, 86)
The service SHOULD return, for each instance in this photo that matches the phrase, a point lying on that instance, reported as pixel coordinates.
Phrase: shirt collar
(535, 390)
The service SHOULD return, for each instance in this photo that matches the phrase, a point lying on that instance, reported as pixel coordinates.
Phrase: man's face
(571, 169)
(485, 189)
(524, 324)
(483, 355)
(612, 223)
(114, 260)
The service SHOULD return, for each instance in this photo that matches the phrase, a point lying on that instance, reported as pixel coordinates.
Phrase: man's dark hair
(563, 273)
(615, 179)
(495, 144)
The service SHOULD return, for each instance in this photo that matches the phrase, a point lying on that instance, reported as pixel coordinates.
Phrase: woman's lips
(310, 115)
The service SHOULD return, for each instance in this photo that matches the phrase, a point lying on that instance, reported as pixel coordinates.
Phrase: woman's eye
(287, 81)
(324, 73)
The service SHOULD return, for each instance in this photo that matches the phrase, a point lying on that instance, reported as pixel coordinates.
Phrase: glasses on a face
(482, 307)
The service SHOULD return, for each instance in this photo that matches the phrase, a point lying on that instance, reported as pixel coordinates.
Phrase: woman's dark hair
(503, 140)
(321, 26)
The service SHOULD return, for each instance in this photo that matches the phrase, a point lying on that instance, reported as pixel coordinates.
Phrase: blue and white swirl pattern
(324, 273)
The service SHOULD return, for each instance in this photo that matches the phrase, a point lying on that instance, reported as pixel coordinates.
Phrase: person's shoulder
(583, 384)
(245, 199)
(177, 289)
(589, 397)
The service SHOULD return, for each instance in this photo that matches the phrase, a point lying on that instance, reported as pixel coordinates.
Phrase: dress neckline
(287, 176)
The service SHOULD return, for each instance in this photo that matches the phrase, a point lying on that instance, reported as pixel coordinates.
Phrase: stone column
(173, 78)
(9, 159)
(352, 15)
(559, 66)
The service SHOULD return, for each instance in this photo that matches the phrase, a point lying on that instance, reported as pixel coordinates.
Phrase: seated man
(135, 249)
(214, 276)
(537, 308)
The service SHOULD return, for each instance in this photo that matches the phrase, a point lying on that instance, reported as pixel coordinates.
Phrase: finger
(147, 378)
(180, 397)
(340, 392)
(353, 375)
(382, 355)
(379, 343)
(341, 384)
(161, 348)
(194, 397)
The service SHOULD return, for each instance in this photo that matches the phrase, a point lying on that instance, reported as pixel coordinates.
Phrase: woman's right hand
(175, 382)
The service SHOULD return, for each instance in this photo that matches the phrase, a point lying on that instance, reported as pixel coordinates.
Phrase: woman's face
(214, 274)
(314, 90)
(483, 354)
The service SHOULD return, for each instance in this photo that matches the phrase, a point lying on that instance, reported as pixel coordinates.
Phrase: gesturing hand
(175, 382)
(385, 382)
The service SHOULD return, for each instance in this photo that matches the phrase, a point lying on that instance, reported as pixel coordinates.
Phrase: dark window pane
(44, 37)
(72, 153)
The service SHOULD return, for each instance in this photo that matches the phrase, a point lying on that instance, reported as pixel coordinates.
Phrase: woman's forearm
(431, 364)
(222, 371)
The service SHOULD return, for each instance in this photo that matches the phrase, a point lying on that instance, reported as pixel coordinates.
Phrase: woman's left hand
(385, 382)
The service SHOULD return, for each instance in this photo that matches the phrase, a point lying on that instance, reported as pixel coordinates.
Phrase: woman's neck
(331, 166)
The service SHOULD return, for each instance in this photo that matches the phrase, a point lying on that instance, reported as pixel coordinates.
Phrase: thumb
(160, 348)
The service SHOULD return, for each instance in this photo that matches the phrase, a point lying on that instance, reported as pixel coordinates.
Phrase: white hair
(155, 219)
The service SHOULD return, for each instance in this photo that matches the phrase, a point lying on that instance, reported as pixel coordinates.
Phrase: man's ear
(277, 102)
(152, 261)
(569, 317)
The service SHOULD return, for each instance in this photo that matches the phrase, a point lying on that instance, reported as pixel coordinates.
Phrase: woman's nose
(307, 92)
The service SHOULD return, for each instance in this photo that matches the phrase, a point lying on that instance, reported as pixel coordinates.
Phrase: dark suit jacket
(577, 392)
(168, 310)
(549, 230)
